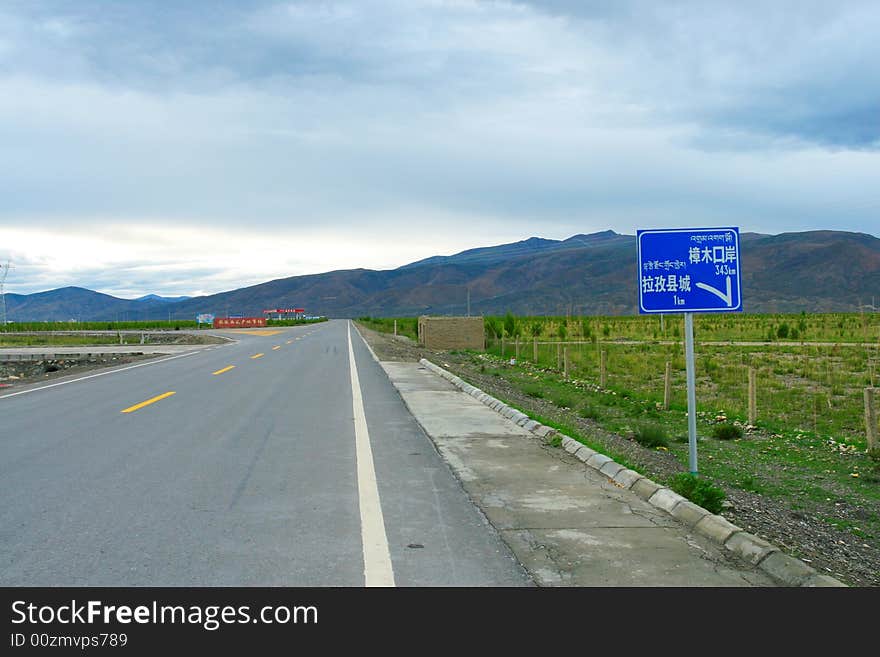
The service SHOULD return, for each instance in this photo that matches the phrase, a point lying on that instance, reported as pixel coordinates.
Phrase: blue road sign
(689, 270)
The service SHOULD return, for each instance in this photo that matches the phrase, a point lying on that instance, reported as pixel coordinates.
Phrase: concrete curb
(786, 570)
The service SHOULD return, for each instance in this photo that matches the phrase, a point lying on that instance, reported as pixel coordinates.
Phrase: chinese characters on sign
(689, 270)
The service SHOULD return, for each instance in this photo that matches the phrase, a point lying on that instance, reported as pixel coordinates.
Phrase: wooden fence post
(558, 356)
(535, 350)
(753, 396)
(502, 346)
(871, 423)
(516, 349)
(565, 359)
(395, 327)
(602, 368)
(667, 385)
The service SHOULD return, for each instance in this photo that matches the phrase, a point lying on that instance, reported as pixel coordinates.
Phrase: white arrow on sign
(727, 298)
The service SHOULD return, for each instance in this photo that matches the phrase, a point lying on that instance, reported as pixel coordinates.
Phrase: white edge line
(361, 335)
(92, 376)
(377, 557)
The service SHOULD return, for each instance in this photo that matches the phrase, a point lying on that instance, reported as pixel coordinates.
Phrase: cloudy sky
(195, 147)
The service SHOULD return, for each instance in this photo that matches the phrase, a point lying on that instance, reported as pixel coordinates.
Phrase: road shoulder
(568, 524)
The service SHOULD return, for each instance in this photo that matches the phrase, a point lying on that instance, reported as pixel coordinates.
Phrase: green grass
(783, 460)
(533, 390)
(819, 389)
(651, 435)
(176, 324)
(49, 339)
(145, 325)
(699, 491)
(726, 431)
(563, 399)
(408, 326)
(294, 322)
(588, 412)
(778, 328)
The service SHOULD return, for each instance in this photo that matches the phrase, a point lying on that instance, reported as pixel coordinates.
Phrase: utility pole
(4, 270)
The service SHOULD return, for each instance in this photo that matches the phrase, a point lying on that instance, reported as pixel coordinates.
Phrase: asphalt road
(264, 474)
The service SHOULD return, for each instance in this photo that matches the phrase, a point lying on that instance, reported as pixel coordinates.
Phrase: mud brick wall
(452, 332)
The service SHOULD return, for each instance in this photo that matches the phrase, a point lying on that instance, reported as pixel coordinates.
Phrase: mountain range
(595, 274)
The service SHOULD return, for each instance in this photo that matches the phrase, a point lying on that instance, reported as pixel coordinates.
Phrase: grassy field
(408, 326)
(157, 325)
(811, 369)
(785, 460)
(294, 322)
(832, 327)
(799, 387)
(45, 338)
(811, 375)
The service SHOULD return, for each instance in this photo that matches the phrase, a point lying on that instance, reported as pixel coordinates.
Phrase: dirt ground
(112, 337)
(15, 374)
(827, 549)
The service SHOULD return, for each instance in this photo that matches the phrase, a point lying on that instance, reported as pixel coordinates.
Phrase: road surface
(284, 459)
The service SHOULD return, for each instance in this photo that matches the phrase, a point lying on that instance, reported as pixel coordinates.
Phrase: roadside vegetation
(45, 339)
(812, 387)
(806, 449)
(295, 322)
(408, 326)
(62, 328)
(157, 325)
(780, 328)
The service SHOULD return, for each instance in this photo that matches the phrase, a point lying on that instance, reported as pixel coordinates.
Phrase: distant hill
(816, 271)
(78, 303)
(155, 297)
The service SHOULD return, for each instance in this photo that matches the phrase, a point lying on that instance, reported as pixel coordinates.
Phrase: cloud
(420, 127)
(780, 71)
(131, 260)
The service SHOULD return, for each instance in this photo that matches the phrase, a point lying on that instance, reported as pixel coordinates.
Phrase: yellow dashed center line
(277, 346)
(260, 355)
(131, 409)
(225, 369)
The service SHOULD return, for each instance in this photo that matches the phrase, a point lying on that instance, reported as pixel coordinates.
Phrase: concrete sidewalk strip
(753, 551)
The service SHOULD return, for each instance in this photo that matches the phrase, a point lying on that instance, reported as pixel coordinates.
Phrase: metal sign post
(691, 390)
(688, 270)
